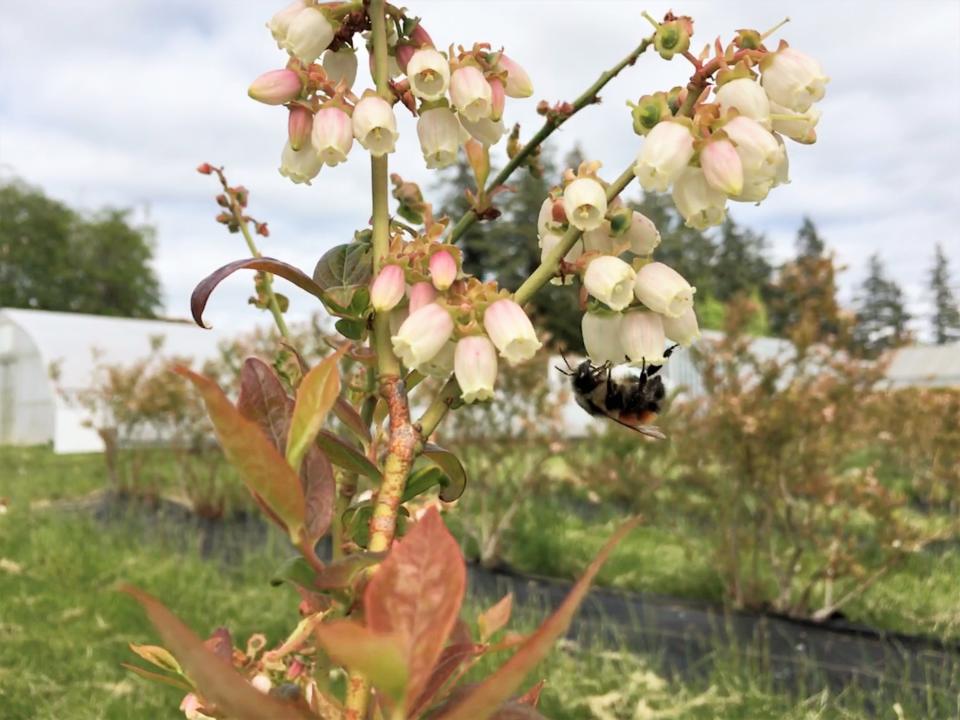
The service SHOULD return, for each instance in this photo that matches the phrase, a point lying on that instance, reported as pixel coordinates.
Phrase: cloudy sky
(113, 102)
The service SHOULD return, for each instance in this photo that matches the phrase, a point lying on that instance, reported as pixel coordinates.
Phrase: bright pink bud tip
(276, 87)
(299, 126)
(421, 37)
(403, 55)
(387, 288)
(443, 269)
(498, 98)
(421, 293)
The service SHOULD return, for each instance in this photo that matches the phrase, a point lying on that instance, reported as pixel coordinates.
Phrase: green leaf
(422, 480)
(373, 654)
(295, 570)
(158, 677)
(216, 680)
(483, 701)
(344, 573)
(343, 270)
(452, 467)
(316, 395)
(416, 595)
(156, 655)
(351, 329)
(346, 456)
(257, 461)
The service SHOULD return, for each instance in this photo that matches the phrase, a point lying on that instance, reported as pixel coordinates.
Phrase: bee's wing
(648, 430)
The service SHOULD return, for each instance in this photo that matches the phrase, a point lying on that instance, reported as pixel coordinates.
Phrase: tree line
(796, 300)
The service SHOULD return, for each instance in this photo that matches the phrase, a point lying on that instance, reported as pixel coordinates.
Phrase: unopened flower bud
(374, 125)
(797, 126)
(585, 203)
(332, 135)
(610, 280)
(497, 99)
(484, 130)
(792, 79)
(642, 337)
(262, 683)
(700, 204)
(299, 126)
(276, 87)
(747, 97)
(300, 166)
(518, 82)
(429, 74)
(663, 290)
(308, 35)
(387, 288)
(280, 23)
(601, 337)
(422, 335)
(642, 235)
(420, 294)
(475, 366)
(439, 133)
(511, 331)
(673, 37)
(545, 218)
(341, 66)
(471, 93)
(665, 153)
(683, 330)
(443, 269)
(721, 166)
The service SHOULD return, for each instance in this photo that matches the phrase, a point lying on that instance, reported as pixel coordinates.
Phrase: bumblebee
(628, 395)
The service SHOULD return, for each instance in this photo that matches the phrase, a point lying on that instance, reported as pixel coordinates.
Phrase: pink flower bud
(439, 133)
(428, 72)
(420, 37)
(511, 331)
(642, 338)
(387, 288)
(374, 125)
(471, 93)
(475, 365)
(497, 99)
(663, 290)
(518, 82)
(332, 135)
(403, 53)
(422, 335)
(420, 294)
(610, 280)
(601, 337)
(276, 87)
(665, 152)
(721, 167)
(585, 203)
(762, 156)
(443, 269)
(684, 329)
(299, 125)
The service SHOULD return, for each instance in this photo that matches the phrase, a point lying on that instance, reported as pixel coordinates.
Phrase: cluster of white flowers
(733, 147)
(638, 304)
(458, 98)
(426, 338)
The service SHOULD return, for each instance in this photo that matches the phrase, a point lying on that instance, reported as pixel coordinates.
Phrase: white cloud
(116, 102)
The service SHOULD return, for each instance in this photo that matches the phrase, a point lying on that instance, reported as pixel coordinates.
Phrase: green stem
(553, 121)
(272, 302)
(438, 408)
(548, 266)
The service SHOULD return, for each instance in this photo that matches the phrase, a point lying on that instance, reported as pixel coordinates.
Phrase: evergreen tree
(740, 264)
(881, 321)
(946, 316)
(54, 258)
(803, 300)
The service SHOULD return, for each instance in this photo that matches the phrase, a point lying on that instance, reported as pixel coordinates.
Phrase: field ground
(64, 630)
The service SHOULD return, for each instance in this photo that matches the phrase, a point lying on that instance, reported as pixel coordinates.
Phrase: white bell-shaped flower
(642, 337)
(475, 367)
(439, 133)
(332, 135)
(746, 96)
(642, 235)
(792, 79)
(601, 337)
(800, 127)
(700, 204)
(471, 93)
(300, 166)
(280, 22)
(511, 331)
(762, 157)
(610, 280)
(341, 66)
(308, 35)
(585, 203)
(422, 335)
(663, 290)
(429, 74)
(665, 152)
(485, 130)
(683, 330)
(722, 167)
(374, 125)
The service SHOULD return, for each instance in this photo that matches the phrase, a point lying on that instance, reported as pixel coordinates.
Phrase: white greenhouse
(33, 408)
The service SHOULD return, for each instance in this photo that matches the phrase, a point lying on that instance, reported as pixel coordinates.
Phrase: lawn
(64, 629)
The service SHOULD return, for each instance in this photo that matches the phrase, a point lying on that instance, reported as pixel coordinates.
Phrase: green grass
(64, 629)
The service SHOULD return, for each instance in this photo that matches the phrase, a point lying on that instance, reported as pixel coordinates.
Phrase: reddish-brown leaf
(220, 644)
(320, 489)
(264, 401)
(316, 395)
(216, 680)
(351, 419)
(416, 594)
(376, 655)
(198, 300)
(451, 659)
(257, 461)
(532, 696)
(488, 696)
(495, 618)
